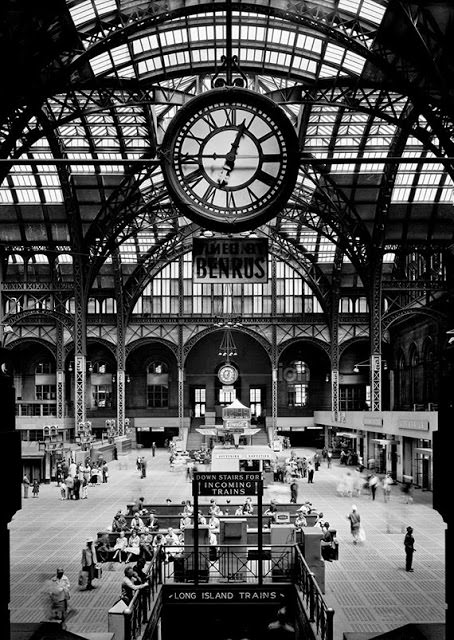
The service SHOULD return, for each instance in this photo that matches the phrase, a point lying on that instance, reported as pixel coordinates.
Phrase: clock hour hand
(229, 162)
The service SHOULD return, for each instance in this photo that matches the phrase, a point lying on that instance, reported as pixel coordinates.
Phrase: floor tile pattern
(368, 587)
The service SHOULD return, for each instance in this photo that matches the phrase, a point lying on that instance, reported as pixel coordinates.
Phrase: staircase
(195, 439)
(260, 438)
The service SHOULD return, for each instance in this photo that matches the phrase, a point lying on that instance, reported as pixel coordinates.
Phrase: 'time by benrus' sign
(230, 260)
(242, 483)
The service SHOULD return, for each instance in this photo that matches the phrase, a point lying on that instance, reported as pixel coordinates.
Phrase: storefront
(255, 458)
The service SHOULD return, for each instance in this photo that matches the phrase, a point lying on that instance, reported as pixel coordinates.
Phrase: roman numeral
(230, 200)
(271, 157)
(230, 117)
(209, 194)
(194, 177)
(211, 122)
(267, 136)
(265, 177)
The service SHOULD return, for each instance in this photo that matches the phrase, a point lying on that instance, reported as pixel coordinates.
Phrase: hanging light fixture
(227, 348)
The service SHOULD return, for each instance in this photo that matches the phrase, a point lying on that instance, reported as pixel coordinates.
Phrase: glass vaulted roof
(84, 174)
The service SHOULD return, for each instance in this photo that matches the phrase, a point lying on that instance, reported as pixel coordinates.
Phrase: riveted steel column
(180, 349)
(60, 372)
(274, 352)
(80, 343)
(376, 339)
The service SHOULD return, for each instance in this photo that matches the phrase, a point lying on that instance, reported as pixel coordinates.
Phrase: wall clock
(228, 374)
(230, 159)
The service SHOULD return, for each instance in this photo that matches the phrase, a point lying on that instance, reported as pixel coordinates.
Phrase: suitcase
(83, 579)
(98, 571)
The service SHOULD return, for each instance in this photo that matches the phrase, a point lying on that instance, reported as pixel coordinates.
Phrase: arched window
(413, 375)
(346, 305)
(45, 384)
(157, 384)
(361, 305)
(297, 376)
(44, 367)
(400, 393)
(428, 373)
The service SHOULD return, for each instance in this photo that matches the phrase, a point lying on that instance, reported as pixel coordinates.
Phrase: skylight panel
(82, 13)
(372, 11)
(6, 196)
(101, 63)
(303, 64)
(81, 168)
(353, 62)
(149, 43)
(308, 43)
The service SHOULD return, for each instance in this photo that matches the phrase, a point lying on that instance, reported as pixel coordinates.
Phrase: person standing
(355, 523)
(143, 466)
(35, 488)
(310, 472)
(409, 544)
(153, 448)
(59, 593)
(26, 484)
(89, 560)
(294, 491)
(329, 457)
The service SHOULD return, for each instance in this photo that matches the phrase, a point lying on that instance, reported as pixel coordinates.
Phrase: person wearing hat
(59, 595)
(409, 544)
(89, 561)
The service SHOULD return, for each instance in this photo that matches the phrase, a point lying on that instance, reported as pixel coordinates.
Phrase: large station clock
(230, 159)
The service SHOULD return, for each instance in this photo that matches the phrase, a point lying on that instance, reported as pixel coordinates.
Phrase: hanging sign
(228, 484)
(236, 260)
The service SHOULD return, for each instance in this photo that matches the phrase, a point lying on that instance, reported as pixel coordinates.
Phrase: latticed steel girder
(292, 253)
(169, 249)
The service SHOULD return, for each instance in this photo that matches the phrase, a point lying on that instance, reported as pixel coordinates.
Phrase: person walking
(386, 484)
(409, 544)
(26, 484)
(35, 488)
(373, 482)
(153, 449)
(59, 592)
(143, 466)
(89, 560)
(355, 523)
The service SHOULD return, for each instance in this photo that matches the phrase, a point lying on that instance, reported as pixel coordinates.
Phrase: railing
(232, 563)
(222, 564)
(319, 615)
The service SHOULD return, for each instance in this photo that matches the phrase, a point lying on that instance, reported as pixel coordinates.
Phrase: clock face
(227, 374)
(230, 158)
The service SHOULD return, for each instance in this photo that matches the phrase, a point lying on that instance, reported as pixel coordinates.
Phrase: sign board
(217, 260)
(218, 595)
(241, 483)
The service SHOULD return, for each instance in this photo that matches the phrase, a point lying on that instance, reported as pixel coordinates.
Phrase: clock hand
(229, 162)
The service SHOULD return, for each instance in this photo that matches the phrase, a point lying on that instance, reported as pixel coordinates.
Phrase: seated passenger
(119, 522)
(185, 521)
(120, 546)
(103, 548)
(248, 508)
(133, 548)
(271, 511)
(153, 522)
(327, 543)
(202, 519)
(214, 509)
(300, 521)
(214, 523)
(137, 523)
(146, 545)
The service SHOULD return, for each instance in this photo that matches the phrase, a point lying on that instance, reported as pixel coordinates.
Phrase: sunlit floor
(368, 587)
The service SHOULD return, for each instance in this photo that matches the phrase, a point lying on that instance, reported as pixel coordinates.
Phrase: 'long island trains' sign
(241, 483)
(239, 260)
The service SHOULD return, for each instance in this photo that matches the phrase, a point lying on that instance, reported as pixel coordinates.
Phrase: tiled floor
(368, 587)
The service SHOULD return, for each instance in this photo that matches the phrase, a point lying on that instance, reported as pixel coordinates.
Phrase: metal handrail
(232, 564)
(319, 615)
